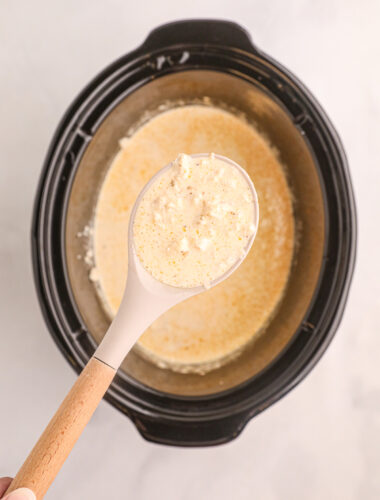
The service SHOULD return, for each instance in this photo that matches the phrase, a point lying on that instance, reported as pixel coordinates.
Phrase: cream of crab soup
(194, 222)
(207, 330)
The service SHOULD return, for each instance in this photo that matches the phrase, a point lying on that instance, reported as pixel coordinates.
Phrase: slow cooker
(181, 62)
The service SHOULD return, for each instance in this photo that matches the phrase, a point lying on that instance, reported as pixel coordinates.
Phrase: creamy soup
(194, 222)
(207, 330)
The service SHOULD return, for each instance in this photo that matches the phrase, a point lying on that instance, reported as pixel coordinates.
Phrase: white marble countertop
(323, 440)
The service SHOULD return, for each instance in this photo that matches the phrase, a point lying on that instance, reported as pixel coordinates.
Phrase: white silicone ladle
(144, 300)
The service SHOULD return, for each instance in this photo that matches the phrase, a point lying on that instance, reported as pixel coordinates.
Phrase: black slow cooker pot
(185, 61)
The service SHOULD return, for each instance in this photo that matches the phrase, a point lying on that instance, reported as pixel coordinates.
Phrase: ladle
(144, 300)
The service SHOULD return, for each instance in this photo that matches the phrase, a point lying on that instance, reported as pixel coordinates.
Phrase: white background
(323, 440)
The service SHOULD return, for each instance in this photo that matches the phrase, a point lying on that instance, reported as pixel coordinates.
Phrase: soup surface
(205, 331)
(195, 221)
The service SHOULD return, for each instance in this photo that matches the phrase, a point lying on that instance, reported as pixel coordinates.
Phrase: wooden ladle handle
(59, 437)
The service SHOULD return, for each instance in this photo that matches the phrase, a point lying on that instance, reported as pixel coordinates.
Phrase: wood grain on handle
(59, 437)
